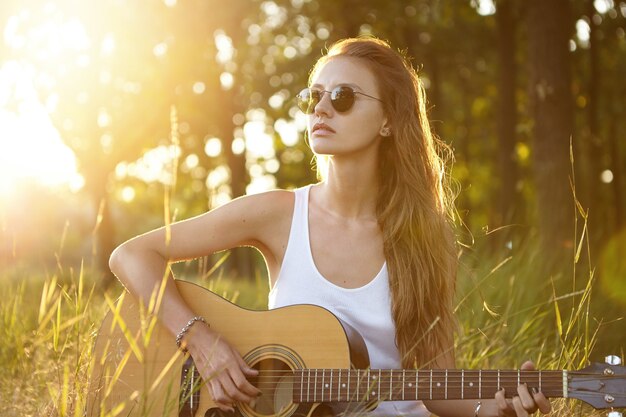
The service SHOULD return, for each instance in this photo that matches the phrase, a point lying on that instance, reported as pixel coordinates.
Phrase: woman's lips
(322, 129)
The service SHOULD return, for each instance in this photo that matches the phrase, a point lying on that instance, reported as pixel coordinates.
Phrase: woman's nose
(324, 106)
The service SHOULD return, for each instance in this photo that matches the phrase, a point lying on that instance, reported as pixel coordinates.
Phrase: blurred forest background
(116, 115)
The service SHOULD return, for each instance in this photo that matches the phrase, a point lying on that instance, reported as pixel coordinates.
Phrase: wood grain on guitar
(310, 364)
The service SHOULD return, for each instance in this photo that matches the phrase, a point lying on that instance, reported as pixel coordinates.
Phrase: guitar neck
(342, 385)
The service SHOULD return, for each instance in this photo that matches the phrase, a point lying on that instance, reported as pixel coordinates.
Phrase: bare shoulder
(254, 220)
(263, 207)
(260, 220)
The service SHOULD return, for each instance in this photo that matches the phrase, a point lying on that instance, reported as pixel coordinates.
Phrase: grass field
(507, 314)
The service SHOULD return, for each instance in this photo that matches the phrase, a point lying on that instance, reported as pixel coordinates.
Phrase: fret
(446, 385)
(315, 387)
(518, 377)
(480, 384)
(390, 384)
(417, 375)
(358, 383)
(431, 384)
(498, 384)
(348, 394)
(539, 381)
(339, 387)
(308, 388)
(302, 386)
(370, 384)
(379, 375)
(403, 382)
(323, 384)
(462, 383)
(329, 385)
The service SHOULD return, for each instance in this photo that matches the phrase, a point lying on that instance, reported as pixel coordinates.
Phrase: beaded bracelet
(183, 332)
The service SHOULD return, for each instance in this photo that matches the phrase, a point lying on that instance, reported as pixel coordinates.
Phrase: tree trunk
(592, 149)
(507, 117)
(549, 60)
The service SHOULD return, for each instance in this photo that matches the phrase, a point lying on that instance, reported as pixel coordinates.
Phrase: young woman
(371, 242)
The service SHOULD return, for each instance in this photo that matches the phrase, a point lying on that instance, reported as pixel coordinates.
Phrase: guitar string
(453, 377)
(451, 391)
(616, 395)
(548, 378)
(454, 372)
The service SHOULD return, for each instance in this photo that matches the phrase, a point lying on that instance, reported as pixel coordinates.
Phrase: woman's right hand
(222, 368)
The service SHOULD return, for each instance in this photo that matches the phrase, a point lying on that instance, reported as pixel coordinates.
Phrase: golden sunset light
(30, 146)
(447, 177)
(41, 42)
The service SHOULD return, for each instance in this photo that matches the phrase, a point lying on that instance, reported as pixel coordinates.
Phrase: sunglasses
(342, 98)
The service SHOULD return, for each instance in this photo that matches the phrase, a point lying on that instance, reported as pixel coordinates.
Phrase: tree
(508, 171)
(548, 30)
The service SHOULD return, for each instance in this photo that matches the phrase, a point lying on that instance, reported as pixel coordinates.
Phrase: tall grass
(45, 342)
(508, 313)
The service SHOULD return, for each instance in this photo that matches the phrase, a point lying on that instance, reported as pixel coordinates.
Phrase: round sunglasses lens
(342, 98)
(307, 101)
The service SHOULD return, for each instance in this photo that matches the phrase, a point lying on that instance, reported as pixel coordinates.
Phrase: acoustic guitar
(309, 364)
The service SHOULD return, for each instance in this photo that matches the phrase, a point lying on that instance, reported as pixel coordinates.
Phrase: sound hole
(275, 380)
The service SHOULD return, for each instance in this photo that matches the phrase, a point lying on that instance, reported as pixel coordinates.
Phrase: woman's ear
(385, 130)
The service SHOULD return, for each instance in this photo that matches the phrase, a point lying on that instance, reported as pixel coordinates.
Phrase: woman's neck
(350, 189)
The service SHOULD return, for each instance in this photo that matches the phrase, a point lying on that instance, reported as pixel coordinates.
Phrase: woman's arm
(141, 264)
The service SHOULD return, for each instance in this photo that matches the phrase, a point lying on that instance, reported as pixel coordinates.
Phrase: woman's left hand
(525, 402)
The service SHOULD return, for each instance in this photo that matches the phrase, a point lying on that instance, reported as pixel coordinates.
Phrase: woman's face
(354, 131)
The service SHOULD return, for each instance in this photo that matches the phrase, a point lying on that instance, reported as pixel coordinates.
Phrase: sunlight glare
(128, 194)
(582, 31)
(258, 143)
(224, 44)
(107, 47)
(261, 184)
(238, 146)
(227, 80)
(31, 147)
(603, 6)
(288, 132)
(213, 147)
(484, 7)
(607, 176)
(154, 166)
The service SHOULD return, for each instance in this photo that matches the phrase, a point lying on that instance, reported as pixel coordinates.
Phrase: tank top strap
(299, 235)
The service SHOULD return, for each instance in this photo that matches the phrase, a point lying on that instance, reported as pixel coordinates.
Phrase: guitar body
(137, 367)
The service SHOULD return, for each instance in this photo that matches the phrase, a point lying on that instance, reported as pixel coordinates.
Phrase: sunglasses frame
(307, 106)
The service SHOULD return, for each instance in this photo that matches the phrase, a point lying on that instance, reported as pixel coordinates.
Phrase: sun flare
(31, 147)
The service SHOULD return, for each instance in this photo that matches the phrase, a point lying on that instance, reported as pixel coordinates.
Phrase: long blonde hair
(414, 206)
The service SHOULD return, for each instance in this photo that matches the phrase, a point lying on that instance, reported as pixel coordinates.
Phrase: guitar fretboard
(342, 385)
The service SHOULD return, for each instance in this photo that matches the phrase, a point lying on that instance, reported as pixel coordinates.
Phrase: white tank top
(367, 309)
